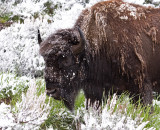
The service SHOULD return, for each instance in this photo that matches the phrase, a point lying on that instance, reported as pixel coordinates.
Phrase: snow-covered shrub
(29, 113)
(11, 85)
(113, 117)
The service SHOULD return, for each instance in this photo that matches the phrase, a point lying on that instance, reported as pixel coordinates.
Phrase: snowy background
(19, 55)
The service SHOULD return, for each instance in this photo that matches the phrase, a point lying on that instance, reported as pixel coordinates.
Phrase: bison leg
(146, 92)
(142, 90)
(93, 96)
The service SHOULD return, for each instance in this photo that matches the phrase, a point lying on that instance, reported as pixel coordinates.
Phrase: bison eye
(65, 61)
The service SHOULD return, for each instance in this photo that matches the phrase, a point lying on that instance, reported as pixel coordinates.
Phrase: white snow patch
(155, 1)
(130, 8)
(156, 102)
(6, 117)
(139, 2)
(124, 17)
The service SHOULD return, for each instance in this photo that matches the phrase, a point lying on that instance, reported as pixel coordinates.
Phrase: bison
(113, 46)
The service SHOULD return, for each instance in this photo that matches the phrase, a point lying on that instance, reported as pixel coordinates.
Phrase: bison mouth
(60, 94)
(55, 93)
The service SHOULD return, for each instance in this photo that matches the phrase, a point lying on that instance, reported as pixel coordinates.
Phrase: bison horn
(39, 37)
(76, 49)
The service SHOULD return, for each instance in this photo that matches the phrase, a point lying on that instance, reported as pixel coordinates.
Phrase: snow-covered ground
(19, 54)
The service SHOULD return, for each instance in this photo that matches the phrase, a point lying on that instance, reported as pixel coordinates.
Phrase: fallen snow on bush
(109, 119)
(10, 82)
(29, 113)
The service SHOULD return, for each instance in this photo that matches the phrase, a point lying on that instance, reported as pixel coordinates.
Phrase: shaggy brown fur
(122, 52)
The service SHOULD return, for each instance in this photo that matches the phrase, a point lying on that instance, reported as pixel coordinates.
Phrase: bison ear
(39, 37)
(76, 49)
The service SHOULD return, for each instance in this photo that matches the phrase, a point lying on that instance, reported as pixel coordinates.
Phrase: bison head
(63, 53)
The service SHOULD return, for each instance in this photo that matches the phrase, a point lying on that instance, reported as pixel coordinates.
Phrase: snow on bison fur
(113, 46)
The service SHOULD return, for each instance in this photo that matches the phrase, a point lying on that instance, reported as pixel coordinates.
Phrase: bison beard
(113, 46)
